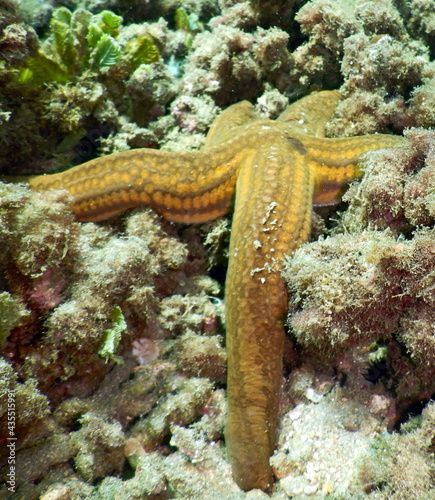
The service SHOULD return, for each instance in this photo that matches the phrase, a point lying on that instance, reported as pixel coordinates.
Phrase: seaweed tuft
(80, 42)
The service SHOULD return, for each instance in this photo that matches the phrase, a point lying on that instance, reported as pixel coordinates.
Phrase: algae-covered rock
(11, 312)
(182, 408)
(373, 284)
(400, 466)
(99, 446)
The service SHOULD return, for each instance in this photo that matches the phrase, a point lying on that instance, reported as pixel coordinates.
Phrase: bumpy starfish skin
(277, 169)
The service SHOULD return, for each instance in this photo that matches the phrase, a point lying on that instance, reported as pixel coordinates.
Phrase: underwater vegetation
(381, 289)
(75, 84)
(112, 333)
(80, 42)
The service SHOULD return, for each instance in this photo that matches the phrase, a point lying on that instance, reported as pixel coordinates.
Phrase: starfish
(277, 170)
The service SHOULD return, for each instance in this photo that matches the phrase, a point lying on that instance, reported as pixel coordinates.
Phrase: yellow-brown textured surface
(277, 168)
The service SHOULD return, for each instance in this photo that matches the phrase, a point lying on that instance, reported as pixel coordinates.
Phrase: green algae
(113, 335)
(11, 313)
(79, 42)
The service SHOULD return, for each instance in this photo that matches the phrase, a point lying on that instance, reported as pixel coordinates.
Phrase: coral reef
(372, 284)
(111, 333)
(368, 289)
(400, 465)
(81, 299)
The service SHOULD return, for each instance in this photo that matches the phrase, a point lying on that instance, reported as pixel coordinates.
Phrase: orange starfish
(277, 170)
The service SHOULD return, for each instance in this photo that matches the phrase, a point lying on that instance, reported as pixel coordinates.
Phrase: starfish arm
(310, 114)
(230, 122)
(335, 161)
(272, 216)
(183, 187)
